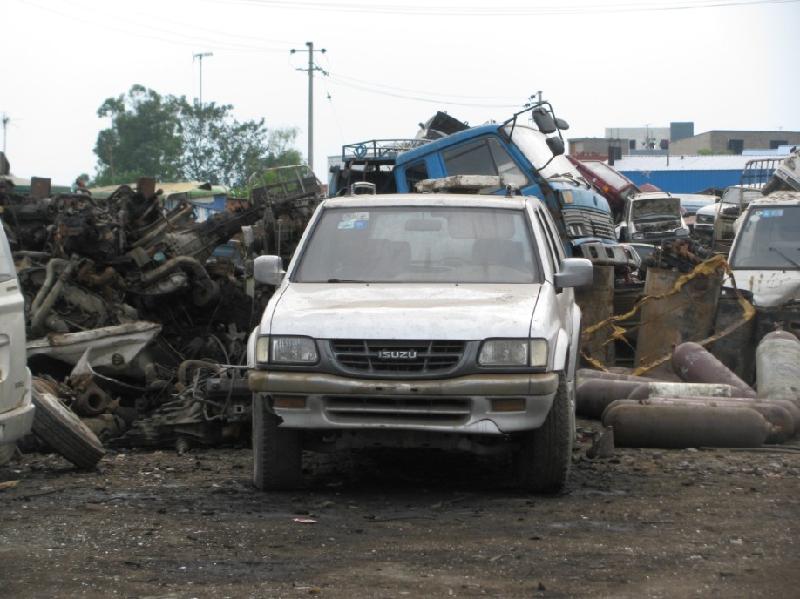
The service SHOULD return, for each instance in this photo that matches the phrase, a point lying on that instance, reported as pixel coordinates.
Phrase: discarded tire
(695, 364)
(679, 427)
(63, 431)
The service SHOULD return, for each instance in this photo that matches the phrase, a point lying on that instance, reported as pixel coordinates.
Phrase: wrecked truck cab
(420, 320)
(652, 217)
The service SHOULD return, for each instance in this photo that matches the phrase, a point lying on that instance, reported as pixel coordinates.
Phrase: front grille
(397, 357)
(581, 223)
(397, 410)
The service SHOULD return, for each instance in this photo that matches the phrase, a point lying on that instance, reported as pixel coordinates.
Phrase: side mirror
(562, 124)
(623, 233)
(556, 145)
(730, 210)
(544, 122)
(574, 272)
(268, 270)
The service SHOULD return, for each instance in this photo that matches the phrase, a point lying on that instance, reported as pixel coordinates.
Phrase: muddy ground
(646, 523)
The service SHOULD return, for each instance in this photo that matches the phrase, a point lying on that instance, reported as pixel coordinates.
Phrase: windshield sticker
(772, 213)
(354, 220)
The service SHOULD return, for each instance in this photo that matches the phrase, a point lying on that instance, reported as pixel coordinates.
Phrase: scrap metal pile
(130, 320)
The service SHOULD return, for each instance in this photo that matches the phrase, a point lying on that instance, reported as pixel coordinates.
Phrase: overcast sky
(724, 64)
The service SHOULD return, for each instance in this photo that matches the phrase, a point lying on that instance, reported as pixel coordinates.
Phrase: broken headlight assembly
(513, 352)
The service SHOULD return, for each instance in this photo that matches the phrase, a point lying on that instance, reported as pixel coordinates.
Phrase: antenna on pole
(200, 56)
(311, 68)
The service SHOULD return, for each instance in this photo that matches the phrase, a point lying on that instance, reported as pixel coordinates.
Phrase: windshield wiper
(785, 257)
(345, 281)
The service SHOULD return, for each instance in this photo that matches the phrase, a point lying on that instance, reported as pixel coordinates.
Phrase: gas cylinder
(593, 395)
(681, 426)
(778, 365)
(695, 364)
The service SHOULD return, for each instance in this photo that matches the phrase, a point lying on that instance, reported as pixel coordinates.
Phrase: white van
(16, 409)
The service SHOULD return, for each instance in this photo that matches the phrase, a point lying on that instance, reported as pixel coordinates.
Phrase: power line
(419, 98)
(498, 11)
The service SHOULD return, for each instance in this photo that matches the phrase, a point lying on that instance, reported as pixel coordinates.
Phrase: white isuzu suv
(419, 320)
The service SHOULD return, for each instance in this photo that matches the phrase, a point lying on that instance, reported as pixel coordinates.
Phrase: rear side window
(7, 270)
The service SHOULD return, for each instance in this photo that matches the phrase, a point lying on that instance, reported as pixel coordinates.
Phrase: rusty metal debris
(138, 309)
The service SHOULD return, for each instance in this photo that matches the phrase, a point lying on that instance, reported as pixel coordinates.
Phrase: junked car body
(765, 256)
(435, 320)
(16, 409)
(652, 217)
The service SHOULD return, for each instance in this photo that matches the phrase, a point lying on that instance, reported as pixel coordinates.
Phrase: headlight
(293, 350)
(262, 350)
(513, 352)
(637, 236)
(538, 353)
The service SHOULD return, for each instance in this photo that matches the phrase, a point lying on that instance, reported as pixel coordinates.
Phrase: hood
(770, 288)
(667, 207)
(461, 312)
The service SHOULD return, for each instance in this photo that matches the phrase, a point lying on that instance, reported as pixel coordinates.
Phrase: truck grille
(580, 223)
(395, 410)
(397, 357)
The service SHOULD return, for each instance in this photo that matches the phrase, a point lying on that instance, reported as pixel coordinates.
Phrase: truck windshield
(413, 244)
(769, 239)
(533, 144)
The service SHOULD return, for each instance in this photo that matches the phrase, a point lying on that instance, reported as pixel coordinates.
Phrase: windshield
(411, 244)
(669, 207)
(769, 239)
(7, 270)
(532, 143)
(737, 195)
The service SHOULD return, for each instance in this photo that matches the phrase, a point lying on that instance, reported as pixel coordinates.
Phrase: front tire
(277, 452)
(545, 455)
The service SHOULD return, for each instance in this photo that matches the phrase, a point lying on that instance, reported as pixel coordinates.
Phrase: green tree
(171, 139)
(145, 137)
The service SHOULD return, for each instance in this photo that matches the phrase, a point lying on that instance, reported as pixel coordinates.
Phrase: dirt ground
(645, 523)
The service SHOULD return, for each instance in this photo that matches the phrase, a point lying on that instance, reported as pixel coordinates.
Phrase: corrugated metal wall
(685, 181)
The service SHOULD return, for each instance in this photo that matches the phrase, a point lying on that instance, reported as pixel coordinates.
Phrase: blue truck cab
(527, 162)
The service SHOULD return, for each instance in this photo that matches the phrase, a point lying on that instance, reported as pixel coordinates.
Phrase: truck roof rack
(379, 150)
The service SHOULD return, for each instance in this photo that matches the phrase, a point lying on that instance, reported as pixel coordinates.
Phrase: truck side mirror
(268, 270)
(574, 272)
(623, 233)
(544, 122)
(562, 124)
(556, 145)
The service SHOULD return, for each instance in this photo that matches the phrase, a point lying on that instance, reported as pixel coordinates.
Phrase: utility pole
(311, 68)
(6, 119)
(200, 56)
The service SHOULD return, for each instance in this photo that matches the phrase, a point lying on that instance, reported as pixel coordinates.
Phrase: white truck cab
(16, 409)
(432, 320)
(765, 256)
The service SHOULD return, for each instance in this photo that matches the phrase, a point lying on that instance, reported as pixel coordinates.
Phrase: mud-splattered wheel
(545, 454)
(277, 452)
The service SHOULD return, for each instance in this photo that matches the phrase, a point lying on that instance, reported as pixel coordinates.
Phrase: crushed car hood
(408, 311)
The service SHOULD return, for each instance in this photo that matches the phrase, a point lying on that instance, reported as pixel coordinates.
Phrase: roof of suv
(429, 199)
